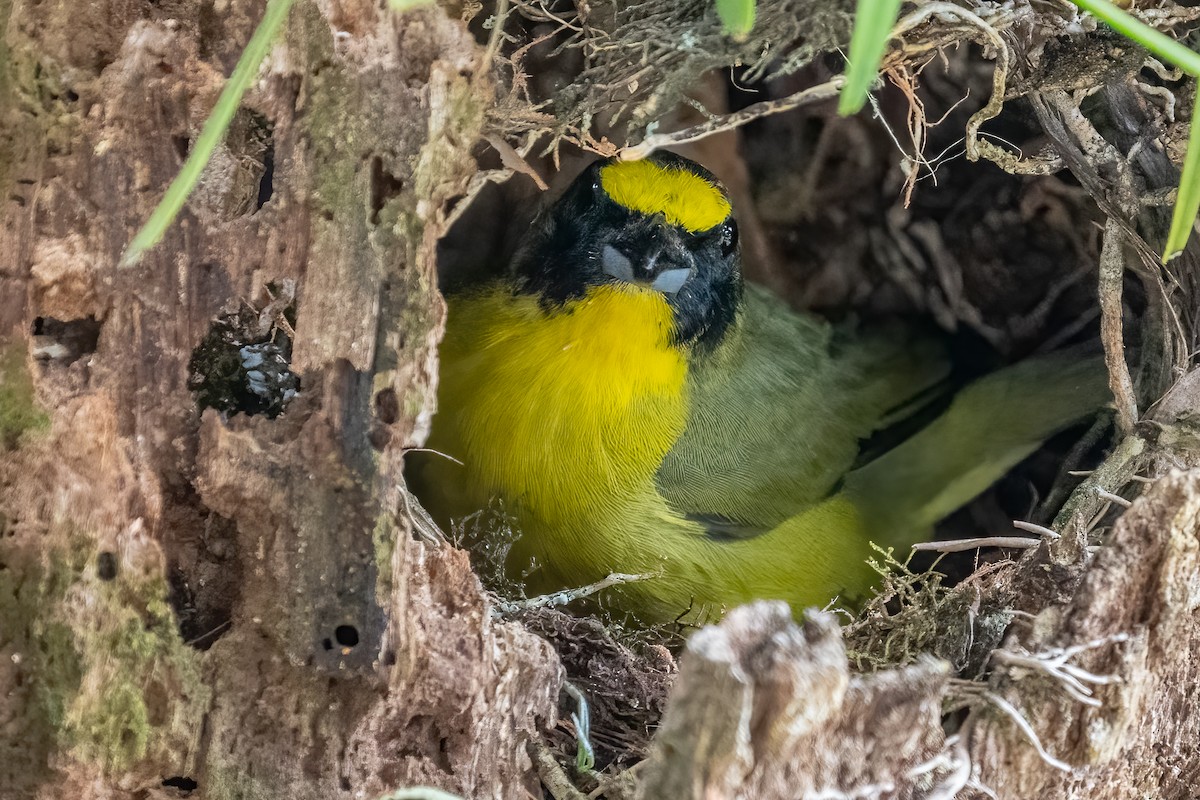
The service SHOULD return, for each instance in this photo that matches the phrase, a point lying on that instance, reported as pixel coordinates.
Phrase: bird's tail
(990, 426)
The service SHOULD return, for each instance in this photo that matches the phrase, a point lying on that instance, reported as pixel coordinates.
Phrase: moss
(19, 412)
(92, 654)
(50, 667)
(116, 730)
(383, 539)
(133, 652)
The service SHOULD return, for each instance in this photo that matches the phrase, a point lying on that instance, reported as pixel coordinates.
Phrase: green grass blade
(401, 6)
(873, 23)
(211, 134)
(1153, 40)
(1187, 204)
(737, 17)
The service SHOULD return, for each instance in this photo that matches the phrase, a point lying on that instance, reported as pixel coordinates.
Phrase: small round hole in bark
(106, 565)
(387, 406)
(346, 635)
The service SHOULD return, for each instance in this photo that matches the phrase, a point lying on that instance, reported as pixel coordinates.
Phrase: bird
(636, 407)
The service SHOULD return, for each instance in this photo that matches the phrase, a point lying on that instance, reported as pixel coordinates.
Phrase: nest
(1017, 147)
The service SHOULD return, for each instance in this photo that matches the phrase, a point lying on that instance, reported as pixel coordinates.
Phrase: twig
(987, 32)
(1112, 498)
(1112, 272)
(552, 775)
(496, 38)
(958, 545)
(219, 628)
(1030, 527)
(720, 123)
(1083, 509)
(565, 596)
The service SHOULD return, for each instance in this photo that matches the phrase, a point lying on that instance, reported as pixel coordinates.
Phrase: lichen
(44, 654)
(383, 539)
(913, 614)
(19, 412)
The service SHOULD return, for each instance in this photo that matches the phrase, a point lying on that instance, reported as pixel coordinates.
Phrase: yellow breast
(565, 413)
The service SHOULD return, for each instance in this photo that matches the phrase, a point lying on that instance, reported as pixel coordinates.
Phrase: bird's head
(663, 224)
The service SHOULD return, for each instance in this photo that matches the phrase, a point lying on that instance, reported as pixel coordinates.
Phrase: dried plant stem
(1112, 272)
(1030, 527)
(566, 595)
(552, 775)
(727, 122)
(987, 34)
(958, 545)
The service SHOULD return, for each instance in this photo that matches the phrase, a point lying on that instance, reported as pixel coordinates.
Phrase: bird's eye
(729, 237)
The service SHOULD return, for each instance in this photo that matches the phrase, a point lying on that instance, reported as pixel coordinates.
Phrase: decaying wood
(1139, 741)
(320, 650)
(765, 708)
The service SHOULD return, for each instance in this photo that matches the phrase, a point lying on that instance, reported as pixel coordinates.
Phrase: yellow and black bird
(639, 409)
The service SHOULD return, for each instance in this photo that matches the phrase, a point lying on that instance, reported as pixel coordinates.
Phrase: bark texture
(1140, 740)
(764, 708)
(321, 650)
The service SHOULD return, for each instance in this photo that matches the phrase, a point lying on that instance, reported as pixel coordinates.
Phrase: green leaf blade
(737, 17)
(211, 134)
(873, 23)
(1187, 204)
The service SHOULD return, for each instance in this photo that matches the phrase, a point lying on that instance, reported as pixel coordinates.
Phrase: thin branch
(552, 775)
(720, 123)
(566, 595)
(1112, 273)
(1113, 498)
(958, 545)
(1030, 527)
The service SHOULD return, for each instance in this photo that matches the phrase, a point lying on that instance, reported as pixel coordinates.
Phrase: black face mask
(586, 239)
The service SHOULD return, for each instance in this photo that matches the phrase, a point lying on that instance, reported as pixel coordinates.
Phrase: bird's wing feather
(776, 414)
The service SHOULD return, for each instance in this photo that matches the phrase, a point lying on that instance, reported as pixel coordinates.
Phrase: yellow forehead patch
(680, 196)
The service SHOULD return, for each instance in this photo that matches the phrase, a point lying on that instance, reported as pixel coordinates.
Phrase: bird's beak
(621, 267)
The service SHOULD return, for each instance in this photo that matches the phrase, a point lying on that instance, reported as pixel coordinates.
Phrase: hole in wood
(346, 635)
(384, 186)
(106, 565)
(64, 341)
(183, 783)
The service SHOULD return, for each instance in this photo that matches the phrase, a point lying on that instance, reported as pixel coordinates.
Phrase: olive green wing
(777, 412)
